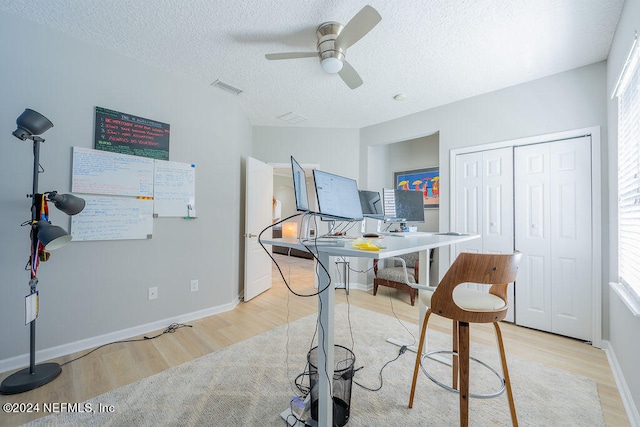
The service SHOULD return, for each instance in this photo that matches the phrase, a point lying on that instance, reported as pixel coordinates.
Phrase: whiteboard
(101, 172)
(174, 189)
(113, 218)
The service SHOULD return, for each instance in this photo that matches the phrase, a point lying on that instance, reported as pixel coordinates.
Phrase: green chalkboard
(128, 134)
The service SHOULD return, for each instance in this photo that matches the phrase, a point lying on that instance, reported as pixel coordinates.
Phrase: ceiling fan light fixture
(331, 65)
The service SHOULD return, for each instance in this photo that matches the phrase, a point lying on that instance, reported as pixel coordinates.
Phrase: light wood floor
(120, 364)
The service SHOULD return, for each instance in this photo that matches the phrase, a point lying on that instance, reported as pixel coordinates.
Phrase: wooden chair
(402, 274)
(465, 306)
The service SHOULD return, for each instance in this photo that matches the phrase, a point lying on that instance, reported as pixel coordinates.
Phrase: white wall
(624, 337)
(88, 289)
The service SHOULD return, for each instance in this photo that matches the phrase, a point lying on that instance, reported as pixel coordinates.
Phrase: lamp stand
(35, 375)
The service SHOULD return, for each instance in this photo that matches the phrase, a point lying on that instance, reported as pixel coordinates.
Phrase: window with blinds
(628, 94)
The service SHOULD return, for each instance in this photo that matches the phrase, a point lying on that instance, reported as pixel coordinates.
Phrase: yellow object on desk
(365, 245)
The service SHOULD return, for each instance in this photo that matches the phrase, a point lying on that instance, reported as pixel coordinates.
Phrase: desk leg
(325, 345)
(423, 277)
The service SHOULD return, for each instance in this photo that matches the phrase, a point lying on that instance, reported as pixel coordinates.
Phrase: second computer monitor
(409, 205)
(337, 196)
(371, 203)
(299, 186)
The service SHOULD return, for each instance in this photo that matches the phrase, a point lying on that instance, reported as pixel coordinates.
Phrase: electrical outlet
(153, 293)
(194, 285)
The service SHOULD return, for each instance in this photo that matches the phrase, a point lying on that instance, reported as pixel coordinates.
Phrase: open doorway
(417, 153)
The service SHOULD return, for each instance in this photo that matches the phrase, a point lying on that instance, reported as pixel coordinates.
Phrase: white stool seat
(468, 299)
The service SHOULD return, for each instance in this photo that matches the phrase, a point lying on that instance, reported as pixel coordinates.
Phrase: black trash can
(344, 360)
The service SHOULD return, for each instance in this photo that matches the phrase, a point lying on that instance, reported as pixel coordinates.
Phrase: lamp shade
(52, 236)
(290, 229)
(67, 203)
(31, 123)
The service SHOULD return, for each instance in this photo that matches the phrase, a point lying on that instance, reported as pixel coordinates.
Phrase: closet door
(553, 231)
(571, 289)
(497, 228)
(468, 200)
(532, 236)
(484, 204)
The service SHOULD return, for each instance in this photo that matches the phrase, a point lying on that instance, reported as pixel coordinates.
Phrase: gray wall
(333, 150)
(410, 155)
(571, 100)
(624, 337)
(97, 291)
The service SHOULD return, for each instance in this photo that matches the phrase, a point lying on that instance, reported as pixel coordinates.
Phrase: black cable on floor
(170, 329)
(400, 353)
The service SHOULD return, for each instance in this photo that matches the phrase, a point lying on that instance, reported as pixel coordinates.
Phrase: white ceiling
(433, 51)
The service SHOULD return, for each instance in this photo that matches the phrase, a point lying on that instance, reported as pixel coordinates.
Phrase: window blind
(628, 94)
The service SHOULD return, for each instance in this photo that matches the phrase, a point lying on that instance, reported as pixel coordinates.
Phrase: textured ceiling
(433, 51)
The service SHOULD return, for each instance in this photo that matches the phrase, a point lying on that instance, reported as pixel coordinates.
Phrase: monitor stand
(363, 226)
(303, 231)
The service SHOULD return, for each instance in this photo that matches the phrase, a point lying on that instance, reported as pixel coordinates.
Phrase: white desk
(394, 247)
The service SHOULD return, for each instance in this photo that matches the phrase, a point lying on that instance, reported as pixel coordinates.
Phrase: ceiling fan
(333, 41)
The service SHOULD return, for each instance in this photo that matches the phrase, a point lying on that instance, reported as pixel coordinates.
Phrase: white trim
(70, 348)
(623, 73)
(630, 300)
(596, 203)
(621, 383)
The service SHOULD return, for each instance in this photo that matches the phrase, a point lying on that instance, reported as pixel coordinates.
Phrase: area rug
(250, 383)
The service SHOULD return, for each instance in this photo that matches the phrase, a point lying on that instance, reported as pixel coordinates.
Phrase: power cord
(170, 329)
(308, 246)
(403, 349)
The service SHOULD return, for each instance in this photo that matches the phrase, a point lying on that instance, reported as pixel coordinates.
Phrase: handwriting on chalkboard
(128, 134)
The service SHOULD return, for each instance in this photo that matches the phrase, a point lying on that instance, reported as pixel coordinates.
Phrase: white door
(258, 215)
(553, 231)
(533, 236)
(468, 200)
(484, 204)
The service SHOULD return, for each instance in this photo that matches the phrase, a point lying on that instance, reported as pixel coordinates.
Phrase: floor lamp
(44, 237)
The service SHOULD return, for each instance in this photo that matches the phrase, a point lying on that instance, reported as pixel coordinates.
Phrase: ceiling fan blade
(291, 55)
(358, 27)
(350, 76)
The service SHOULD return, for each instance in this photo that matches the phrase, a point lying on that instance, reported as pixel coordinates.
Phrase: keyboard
(406, 233)
(324, 241)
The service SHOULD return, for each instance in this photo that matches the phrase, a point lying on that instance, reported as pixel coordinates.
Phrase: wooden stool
(466, 306)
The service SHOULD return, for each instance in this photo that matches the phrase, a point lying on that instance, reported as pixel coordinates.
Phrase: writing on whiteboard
(113, 218)
(174, 188)
(99, 172)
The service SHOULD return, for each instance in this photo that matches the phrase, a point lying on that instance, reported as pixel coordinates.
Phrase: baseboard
(62, 350)
(355, 286)
(623, 389)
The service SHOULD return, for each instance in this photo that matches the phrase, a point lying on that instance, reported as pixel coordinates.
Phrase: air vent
(292, 118)
(227, 87)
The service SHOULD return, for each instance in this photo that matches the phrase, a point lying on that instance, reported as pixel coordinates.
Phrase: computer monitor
(299, 186)
(371, 204)
(337, 196)
(389, 205)
(409, 205)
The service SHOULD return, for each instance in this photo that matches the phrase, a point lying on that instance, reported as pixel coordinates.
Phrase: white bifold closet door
(553, 220)
(484, 205)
